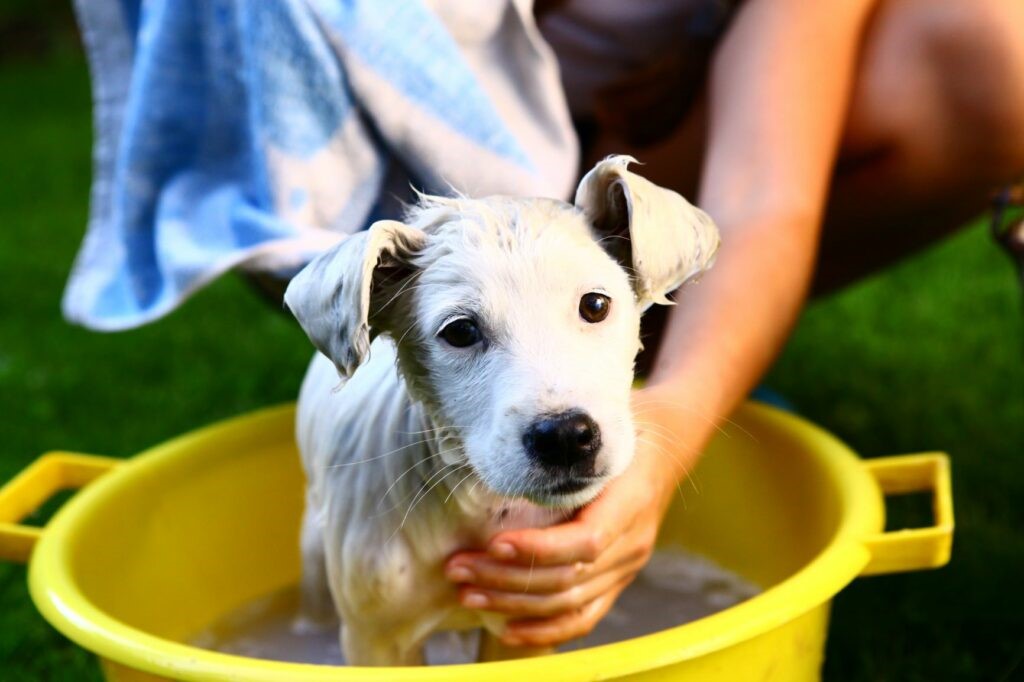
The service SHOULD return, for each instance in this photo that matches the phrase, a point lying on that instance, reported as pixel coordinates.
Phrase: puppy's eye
(461, 333)
(594, 307)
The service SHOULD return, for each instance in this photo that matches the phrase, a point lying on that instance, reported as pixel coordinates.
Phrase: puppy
(486, 350)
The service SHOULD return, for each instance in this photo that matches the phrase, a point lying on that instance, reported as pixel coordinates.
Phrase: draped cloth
(255, 134)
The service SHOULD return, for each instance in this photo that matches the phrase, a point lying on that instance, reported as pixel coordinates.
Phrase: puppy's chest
(474, 532)
(408, 571)
(471, 527)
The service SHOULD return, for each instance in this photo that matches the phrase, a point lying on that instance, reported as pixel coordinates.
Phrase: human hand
(555, 584)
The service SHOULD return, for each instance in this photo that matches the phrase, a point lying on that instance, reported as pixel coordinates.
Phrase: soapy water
(674, 588)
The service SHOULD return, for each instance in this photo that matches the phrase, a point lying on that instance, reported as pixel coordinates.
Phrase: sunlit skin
(923, 104)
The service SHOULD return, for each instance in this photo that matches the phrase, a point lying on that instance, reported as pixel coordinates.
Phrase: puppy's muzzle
(565, 443)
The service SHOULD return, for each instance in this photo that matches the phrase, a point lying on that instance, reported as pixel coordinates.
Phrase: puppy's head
(517, 320)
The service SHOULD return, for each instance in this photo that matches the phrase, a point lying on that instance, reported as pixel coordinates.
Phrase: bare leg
(376, 647)
(936, 123)
(316, 607)
(491, 649)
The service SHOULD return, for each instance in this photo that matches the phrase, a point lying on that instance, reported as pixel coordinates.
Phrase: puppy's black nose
(563, 440)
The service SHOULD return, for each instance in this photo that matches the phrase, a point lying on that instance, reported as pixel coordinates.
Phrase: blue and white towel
(256, 133)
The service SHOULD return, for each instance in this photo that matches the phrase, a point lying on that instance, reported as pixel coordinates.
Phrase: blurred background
(926, 356)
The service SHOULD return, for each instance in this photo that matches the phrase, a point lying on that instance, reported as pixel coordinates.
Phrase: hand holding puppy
(555, 584)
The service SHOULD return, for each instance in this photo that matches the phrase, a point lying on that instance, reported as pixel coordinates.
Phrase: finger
(547, 632)
(479, 570)
(584, 538)
(484, 572)
(529, 605)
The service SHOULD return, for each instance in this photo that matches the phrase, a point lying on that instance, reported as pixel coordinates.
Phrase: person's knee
(942, 85)
(975, 49)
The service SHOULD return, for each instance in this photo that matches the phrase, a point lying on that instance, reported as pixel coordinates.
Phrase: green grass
(928, 356)
(62, 387)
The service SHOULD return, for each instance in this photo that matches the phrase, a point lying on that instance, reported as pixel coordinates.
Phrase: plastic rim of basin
(149, 553)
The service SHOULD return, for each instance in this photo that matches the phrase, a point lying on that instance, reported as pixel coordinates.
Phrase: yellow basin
(170, 541)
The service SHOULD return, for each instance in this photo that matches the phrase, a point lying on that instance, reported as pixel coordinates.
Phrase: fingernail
(475, 600)
(503, 550)
(460, 574)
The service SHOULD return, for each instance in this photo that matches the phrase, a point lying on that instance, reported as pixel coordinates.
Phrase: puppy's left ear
(339, 297)
(659, 237)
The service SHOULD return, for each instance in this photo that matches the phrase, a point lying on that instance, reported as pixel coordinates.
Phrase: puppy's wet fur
(486, 351)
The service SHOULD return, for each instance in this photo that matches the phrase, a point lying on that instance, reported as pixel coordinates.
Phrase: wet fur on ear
(659, 237)
(336, 298)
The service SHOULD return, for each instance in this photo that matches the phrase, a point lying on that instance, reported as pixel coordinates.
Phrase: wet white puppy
(486, 351)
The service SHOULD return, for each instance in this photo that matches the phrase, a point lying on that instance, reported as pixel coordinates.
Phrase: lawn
(929, 355)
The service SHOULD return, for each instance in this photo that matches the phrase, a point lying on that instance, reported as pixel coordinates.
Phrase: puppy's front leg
(316, 607)
(378, 647)
(492, 649)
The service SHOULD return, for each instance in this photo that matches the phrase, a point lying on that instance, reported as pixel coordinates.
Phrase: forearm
(728, 327)
(773, 136)
(720, 338)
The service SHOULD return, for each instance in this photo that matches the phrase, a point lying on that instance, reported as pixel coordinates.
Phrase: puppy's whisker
(613, 236)
(472, 488)
(406, 333)
(663, 450)
(415, 502)
(435, 429)
(406, 288)
(378, 457)
(688, 471)
(461, 481)
(416, 493)
(413, 466)
(672, 446)
(658, 429)
(449, 509)
(405, 285)
(629, 269)
(658, 449)
(714, 420)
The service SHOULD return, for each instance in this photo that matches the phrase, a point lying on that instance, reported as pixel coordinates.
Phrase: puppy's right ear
(337, 296)
(658, 236)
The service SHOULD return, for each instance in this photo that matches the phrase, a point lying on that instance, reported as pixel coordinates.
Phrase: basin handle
(26, 492)
(912, 549)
